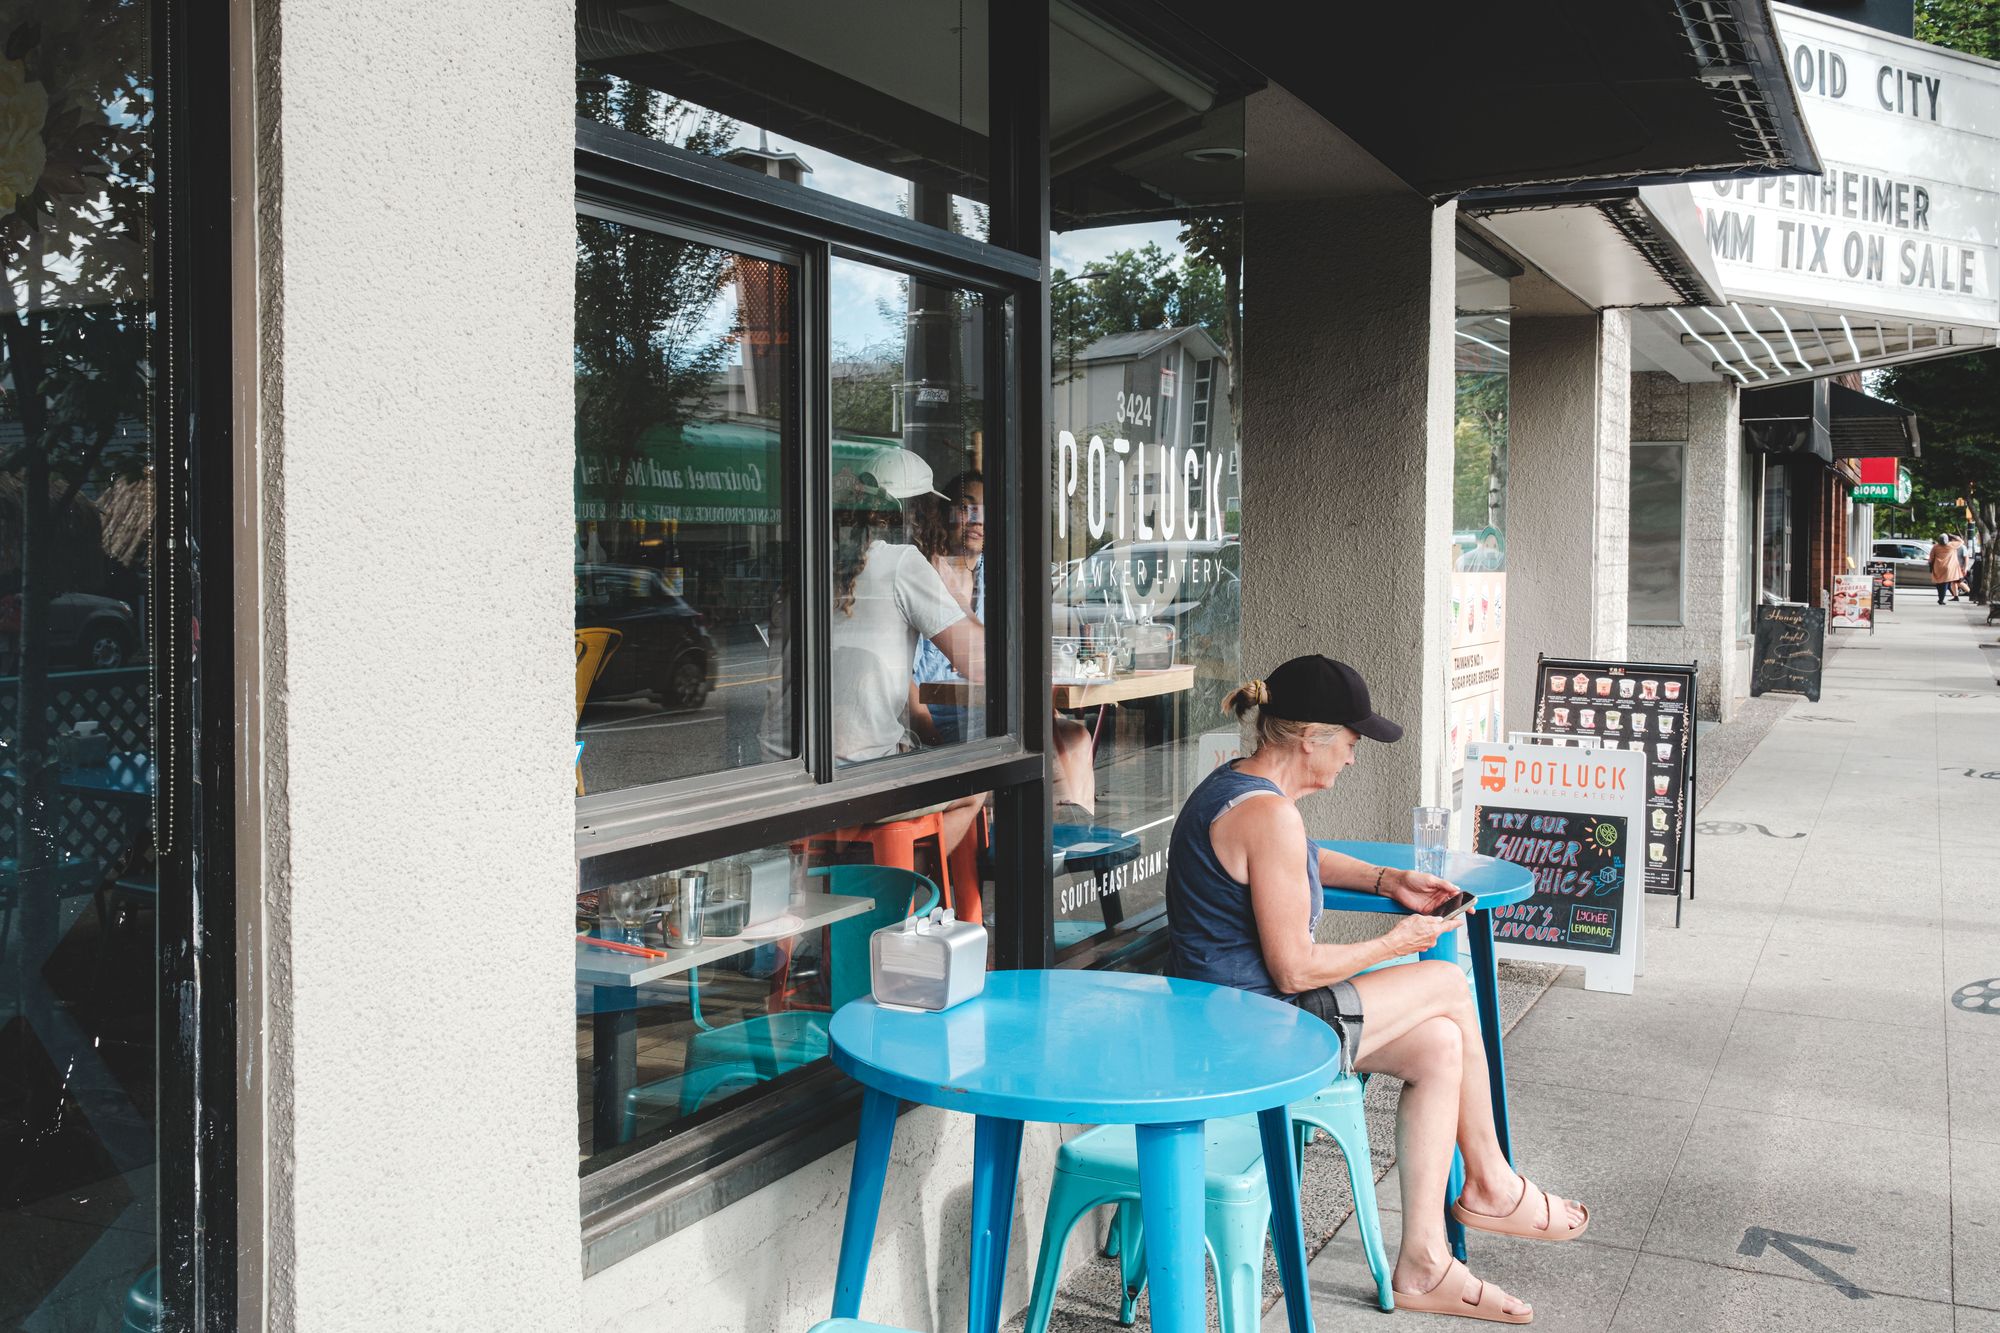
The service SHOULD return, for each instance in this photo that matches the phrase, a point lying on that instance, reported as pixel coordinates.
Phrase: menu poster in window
(1574, 818)
(1882, 574)
(1853, 602)
(1478, 678)
(1642, 708)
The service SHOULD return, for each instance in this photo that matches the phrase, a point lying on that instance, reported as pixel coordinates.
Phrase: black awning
(1461, 95)
(1865, 427)
(1790, 422)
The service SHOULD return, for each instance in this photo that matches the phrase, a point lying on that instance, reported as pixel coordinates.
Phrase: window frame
(653, 1189)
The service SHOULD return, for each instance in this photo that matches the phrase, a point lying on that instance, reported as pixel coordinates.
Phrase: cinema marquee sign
(1905, 220)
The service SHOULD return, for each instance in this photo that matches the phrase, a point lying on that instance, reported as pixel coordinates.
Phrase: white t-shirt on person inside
(898, 599)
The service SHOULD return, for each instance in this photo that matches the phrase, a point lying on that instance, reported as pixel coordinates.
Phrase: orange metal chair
(894, 843)
(594, 648)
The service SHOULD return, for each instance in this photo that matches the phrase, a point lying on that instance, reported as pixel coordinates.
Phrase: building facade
(933, 412)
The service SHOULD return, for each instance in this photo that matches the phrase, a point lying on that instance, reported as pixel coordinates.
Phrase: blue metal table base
(1170, 1201)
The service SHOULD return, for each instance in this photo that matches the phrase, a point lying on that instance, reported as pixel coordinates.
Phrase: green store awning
(706, 472)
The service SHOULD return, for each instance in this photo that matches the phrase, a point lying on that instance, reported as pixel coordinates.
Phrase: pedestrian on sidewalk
(1962, 557)
(1944, 568)
(1240, 914)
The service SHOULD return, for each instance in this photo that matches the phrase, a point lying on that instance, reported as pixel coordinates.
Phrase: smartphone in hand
(1455, 906)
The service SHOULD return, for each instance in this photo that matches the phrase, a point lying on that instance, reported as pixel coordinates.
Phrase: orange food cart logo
(1493, 772)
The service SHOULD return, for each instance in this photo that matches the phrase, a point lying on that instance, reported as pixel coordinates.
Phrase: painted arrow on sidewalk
(1757, 1238)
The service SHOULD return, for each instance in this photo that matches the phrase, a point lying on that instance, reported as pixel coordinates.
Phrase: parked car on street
(1911, 557)
(665, 650)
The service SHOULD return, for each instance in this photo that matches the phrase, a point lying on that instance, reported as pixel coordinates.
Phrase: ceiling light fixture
(1214, 154)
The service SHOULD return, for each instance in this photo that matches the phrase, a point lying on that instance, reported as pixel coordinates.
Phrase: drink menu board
(1572, 818)
(1644, 707)
(1883, 575)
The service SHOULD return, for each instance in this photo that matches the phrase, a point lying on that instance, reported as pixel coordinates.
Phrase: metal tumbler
(690, 895)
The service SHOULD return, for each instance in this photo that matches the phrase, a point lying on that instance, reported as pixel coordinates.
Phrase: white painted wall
(768, 1260)
(414, 191)
(1569, 449)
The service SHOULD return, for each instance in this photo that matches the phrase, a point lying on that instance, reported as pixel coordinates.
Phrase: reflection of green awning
(717, 472)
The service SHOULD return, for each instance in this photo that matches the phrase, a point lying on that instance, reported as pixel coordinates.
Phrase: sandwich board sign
(1574, 816)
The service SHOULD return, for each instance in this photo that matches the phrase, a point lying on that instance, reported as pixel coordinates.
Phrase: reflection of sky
(1075, 251)
(859, 291)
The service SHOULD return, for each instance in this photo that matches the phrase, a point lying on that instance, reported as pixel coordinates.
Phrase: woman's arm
(1263, 835)
(963, 642)
(1409, 888)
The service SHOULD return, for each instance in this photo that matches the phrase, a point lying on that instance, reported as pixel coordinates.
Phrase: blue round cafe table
(1492, 883)
(1097, 1048)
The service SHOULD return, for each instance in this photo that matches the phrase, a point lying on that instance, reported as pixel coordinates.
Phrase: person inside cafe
(952, 534)
(1243, 897)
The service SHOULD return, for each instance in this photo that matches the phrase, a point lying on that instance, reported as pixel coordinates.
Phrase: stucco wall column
(1347, 473)
(1569, 452)
(415, 453)
(1704, 416)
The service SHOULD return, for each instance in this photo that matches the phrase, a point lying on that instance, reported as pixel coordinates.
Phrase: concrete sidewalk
(1792, 1059)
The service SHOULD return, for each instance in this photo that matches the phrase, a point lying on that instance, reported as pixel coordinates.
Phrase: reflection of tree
(1151, 289)
(1479, 473)
(865, 385)
(648, 351)
(76, 112)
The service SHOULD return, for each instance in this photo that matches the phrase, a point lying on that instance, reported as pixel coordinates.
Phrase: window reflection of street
(635, 739)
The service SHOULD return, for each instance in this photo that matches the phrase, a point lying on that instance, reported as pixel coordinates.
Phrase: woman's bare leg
(1429, 1058)
(1396, 999)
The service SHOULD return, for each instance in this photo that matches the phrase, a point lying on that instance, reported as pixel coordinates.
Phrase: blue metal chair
(1101, 1166)
(853, 1326)
(725, 1059)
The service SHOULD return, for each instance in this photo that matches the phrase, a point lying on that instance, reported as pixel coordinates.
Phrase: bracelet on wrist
(1379, 872)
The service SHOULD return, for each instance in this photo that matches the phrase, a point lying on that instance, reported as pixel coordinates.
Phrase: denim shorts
(1339, 1007)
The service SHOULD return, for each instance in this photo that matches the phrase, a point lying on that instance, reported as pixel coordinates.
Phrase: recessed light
(1217, 153)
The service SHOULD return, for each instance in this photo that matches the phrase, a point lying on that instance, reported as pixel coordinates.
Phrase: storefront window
(1479, 442)
(1775, 535)
(881, 103)
(1654, 575)
(702, 984)
(1747, 490)
(909, 513)
(1146, 470)
(79, 954)
(686, 511)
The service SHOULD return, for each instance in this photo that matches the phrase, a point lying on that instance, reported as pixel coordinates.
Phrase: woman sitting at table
(1243, 896)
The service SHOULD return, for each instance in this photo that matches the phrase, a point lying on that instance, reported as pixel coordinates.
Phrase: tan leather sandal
(1446, 1298)
(1522, 1222)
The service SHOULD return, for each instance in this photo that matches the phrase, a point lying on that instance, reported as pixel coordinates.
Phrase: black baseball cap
(1319, 689)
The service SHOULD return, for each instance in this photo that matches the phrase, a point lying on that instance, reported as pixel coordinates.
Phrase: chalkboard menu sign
(1791, 649)
(1572, 817)
(1883, 574)
(1648, 708)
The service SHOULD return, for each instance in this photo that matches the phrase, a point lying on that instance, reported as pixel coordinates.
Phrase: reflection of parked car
(86, 632)
(1129, 581)
(665, 652)
(1911, 558)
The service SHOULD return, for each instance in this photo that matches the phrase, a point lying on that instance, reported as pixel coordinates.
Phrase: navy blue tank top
(1211, 931)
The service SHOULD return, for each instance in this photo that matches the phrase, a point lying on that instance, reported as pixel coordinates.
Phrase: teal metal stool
(852, 1326)
(725, 1059)
(1100, 1166)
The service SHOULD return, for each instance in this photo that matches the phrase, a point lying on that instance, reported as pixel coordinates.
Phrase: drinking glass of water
(1430, 832)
